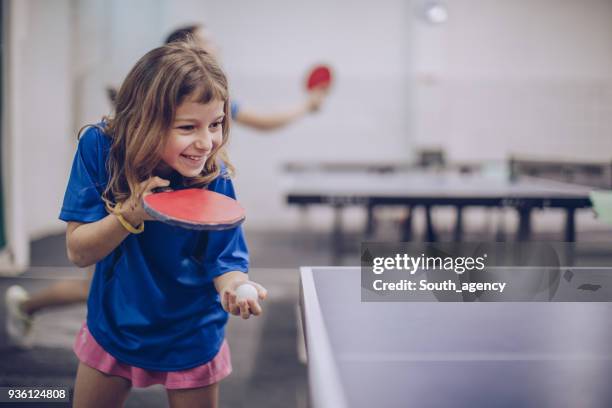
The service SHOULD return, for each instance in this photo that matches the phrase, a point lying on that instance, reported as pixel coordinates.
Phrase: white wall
(37, 134)
(48, 136)
(523, 77)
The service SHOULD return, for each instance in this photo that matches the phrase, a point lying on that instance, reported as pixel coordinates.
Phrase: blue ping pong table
(435, 354)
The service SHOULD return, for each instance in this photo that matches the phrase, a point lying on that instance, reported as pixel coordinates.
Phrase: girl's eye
(216, 125)
(187, 128)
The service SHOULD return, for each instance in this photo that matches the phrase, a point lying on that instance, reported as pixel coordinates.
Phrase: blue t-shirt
(152, 302)
(234, 109)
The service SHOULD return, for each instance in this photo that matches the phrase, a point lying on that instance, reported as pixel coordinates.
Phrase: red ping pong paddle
(319, 77)
(194, 208)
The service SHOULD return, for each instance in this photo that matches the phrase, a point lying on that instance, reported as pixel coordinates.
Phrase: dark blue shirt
(234, 109)
(152, 302)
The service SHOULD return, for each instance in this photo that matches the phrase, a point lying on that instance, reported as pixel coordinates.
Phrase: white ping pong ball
(246, 291)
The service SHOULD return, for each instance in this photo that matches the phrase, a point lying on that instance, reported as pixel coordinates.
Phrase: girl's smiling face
(196, 131)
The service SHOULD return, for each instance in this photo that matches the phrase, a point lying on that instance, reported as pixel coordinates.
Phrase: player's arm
(88, 243)
(276, 120)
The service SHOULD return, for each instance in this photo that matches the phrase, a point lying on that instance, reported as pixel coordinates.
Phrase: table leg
(524, 229)
(570, 225)
(430, 233)
(500, 225)
(406, 226)
(337, 236)
(370, 222)
(458, 233)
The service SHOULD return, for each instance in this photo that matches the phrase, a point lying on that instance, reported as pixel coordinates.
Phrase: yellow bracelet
(129, 227)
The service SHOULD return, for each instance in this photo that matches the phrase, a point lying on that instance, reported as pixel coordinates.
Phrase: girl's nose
(204, 141)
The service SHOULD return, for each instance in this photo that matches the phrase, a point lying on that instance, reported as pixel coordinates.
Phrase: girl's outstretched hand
(238, 302)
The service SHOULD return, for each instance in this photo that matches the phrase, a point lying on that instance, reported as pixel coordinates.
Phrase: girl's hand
(132, 209)
(242, 307)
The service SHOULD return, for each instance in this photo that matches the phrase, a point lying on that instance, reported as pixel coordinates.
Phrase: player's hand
(132, 209)
(316, 98)
(239, 306)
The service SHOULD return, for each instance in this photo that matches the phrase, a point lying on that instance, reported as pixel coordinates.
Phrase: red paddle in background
(319, 77)
(195, 208)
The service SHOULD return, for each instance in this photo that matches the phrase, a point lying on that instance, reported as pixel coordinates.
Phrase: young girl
(160, 294)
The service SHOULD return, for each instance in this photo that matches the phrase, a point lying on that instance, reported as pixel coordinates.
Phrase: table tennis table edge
(325, 387)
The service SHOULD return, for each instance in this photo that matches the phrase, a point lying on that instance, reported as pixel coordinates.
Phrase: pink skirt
(92, 354)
